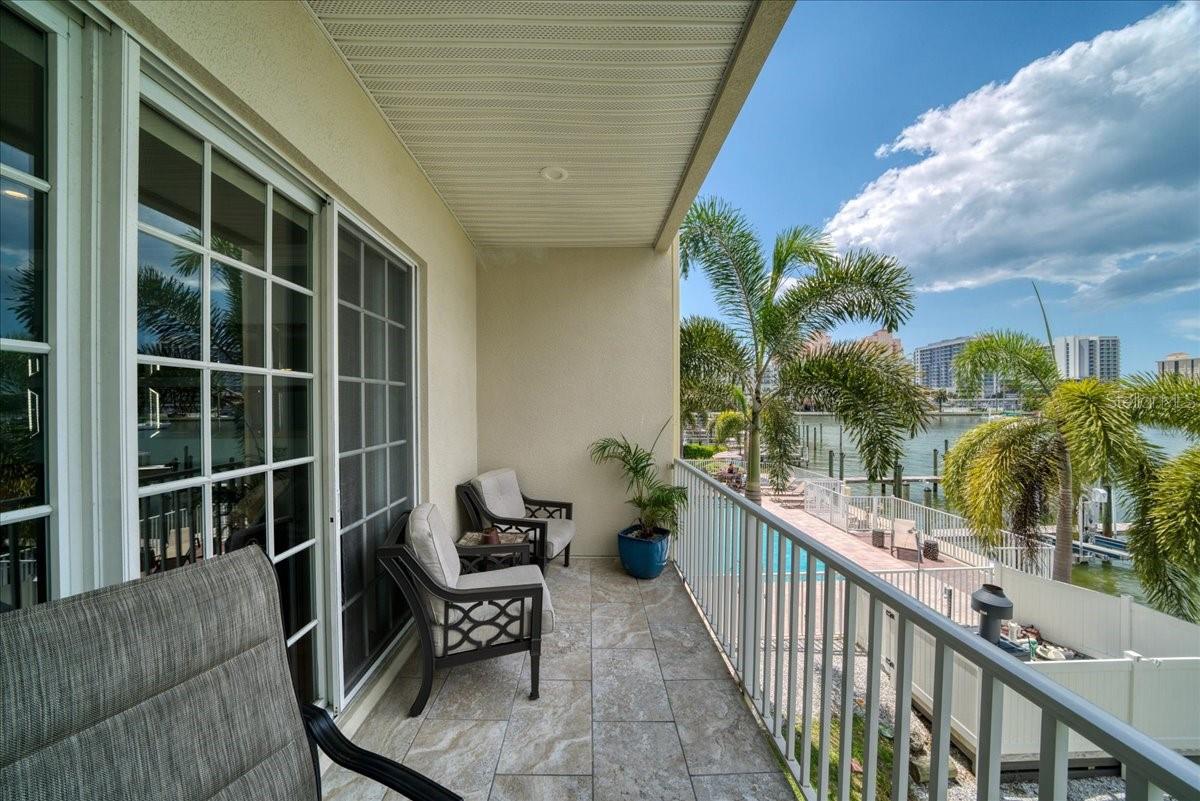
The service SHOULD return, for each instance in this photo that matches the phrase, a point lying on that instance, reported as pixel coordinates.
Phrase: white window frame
(333, 483)
(154, 82)
(59, 29)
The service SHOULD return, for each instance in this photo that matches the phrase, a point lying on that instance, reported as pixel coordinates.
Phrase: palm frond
(1169, 400)
(728, 425)
(713, 363)
(1021, 363)
(636, 462)
(781, 441)
(796, 247)
(720, 240)
(872, 390)
(860, 285)
(1175, 514)
(1003, 474)
(1096, 424)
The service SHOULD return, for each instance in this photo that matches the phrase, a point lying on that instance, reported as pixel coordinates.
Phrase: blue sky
(1082, 170)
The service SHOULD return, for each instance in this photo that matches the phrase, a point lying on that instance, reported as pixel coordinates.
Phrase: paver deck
(636, 705)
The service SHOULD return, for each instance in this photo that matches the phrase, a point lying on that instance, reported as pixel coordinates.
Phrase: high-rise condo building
(1180, 363)
(1088, 357)
(935, 365)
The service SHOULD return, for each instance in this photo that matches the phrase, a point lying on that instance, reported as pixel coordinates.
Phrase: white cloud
(1187, 327)
(1083, 169)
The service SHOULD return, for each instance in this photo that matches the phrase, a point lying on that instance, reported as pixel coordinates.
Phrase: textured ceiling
(487, 93)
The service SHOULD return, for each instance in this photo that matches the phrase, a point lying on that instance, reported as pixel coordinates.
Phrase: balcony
(636, 702)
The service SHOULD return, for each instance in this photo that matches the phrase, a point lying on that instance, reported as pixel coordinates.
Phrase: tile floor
(636, 705)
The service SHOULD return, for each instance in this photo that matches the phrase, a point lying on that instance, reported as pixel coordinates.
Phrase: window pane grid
(373, 442)
(235, 337)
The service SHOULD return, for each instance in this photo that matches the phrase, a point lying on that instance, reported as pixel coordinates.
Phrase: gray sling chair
(464, 617)
(173, 687)
(495, 499)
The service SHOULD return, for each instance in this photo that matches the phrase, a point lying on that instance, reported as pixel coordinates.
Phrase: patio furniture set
(177, 685)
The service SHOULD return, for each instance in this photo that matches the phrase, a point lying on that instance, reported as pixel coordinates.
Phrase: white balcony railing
(769, 592)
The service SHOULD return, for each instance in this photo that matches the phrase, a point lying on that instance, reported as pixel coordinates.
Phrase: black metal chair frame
(536, 510)
(509, 604)
(323, 733)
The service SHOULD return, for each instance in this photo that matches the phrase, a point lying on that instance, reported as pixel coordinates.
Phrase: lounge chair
(173, 687)
(463, 617)
(495, 499)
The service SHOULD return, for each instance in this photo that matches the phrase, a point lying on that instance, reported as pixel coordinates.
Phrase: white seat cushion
(510, 629)
(501, 493)
(559, 534)
(430, 541)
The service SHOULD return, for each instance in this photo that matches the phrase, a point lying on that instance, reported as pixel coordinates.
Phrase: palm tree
(776, 308)
(941, 396)
(1018, 472)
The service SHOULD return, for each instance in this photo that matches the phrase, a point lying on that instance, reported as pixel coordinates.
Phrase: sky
(985, 145)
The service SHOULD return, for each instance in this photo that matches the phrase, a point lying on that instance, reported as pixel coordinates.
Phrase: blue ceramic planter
(643, 558)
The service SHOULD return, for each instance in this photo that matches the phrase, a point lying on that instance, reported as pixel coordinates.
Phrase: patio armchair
(495, 499)
(463, 617)
(173, 687)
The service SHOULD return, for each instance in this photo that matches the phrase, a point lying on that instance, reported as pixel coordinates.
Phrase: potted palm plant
(643, 545)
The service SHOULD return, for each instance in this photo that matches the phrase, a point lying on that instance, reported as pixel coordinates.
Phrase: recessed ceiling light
(554, 174)
(16, 193)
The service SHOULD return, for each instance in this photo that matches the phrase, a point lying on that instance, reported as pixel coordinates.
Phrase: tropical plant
(776, 308)
(1016, 473)
(730, 424)
(658, 502)
(940, 396)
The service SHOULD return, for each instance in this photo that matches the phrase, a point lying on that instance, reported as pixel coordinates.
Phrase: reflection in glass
(352, 562)
(169, 301)
(238, 420)
(22, 430)
(350, 472)
(239, 509)
(397, 293)
(239, 212)
(290, 406)
(302, 663)
(170, 176)
(349, 342)
(170, 526)
(349, 268)
(23, 101)
(237, 324)
(374, 293)
(349, 415)
(354, 642)
(23, 565)
(398, 472)
(289, 334)
(289, 241)
(293, 492)
(295, 590)
(375, 414)
(397, 414)
(375, 476)
(168, 422)
(374, 348)
(398, 356)
(22, 262)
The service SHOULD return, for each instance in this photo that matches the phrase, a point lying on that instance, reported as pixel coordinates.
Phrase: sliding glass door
(374, 439)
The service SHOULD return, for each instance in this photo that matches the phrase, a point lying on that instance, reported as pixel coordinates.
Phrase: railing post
(991, 722)
(846, 716)
(1052, 765)
(748, 644)
(902, 682)
(870, 764)
(939, 750)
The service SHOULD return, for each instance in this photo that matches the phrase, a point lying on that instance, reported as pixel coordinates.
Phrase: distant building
(935, 365)
(884, 337)
(1088, 357)
(1181, 364)
(817, 342)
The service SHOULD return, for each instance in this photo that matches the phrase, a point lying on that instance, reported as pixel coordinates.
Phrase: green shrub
(883, 776)
(692, 451)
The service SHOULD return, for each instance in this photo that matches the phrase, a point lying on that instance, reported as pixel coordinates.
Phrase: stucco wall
(575, 344)
(273, 67)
